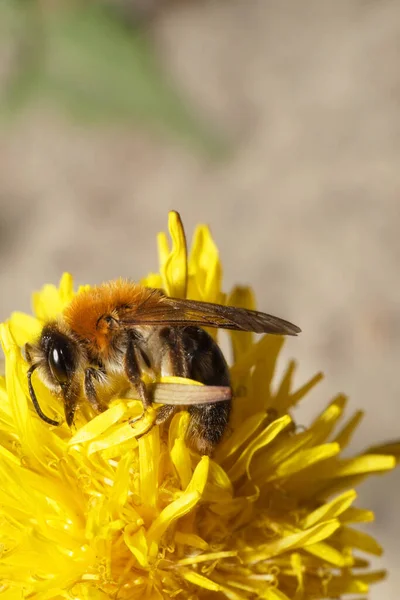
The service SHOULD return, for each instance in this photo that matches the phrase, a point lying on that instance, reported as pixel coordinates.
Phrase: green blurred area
(96, 66)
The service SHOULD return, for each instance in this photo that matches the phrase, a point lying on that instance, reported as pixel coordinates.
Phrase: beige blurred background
(305, 208)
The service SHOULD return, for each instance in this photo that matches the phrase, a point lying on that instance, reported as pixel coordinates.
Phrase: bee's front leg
(70, 393)
(92, 375)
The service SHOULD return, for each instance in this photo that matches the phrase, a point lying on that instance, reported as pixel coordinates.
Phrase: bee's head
(57, 356)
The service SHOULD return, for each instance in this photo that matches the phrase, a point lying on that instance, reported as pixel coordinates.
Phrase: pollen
(111, 511)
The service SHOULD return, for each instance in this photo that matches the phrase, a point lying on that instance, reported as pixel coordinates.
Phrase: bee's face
(56, 354)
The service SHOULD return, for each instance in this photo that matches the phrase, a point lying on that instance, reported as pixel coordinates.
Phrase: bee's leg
(70, 392)
(207, 425)
(164, 413)
(92, 375)
(132, 370)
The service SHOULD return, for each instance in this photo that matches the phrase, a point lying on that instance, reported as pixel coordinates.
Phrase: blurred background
(276, 123)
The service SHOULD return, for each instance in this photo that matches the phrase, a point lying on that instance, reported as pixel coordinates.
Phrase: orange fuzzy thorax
(84, 313)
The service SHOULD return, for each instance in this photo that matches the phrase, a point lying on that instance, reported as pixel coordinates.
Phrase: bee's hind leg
(164, 413)
(207, 425)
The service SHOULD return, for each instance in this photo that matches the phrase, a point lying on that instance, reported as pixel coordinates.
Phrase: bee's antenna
(34, 399)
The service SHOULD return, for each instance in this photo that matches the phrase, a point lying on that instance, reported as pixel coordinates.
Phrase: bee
(109, 336)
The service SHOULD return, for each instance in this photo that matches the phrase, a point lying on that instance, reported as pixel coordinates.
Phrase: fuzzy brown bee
(110, 335)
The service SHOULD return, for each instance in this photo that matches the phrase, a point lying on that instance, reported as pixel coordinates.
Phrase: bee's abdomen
(192, 352)
(206, 361)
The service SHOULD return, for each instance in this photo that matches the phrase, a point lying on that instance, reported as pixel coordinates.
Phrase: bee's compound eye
(58, 364)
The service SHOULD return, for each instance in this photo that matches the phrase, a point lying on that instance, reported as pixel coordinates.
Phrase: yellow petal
(209, 556)
(137, 544)
(268, 345)
(219, 478)
(201, 581)
(153, 280)
(345, 585)
(359, 539)
(112, 443)
(323, 425)
(291, 542)
(304, 460)
(163, 249)
(8, 456)
(99, 424)
(344, 436)
(282, 450)
(182, 505)
(240, 436)
(18, 400)
(369, 463)
(149, 455)
(144, 424)
(171, 513)
(252, 376)
(200, 476)
(24, 328)
(242, 464)
(241, 341)
(49, 303)
(296, 396)
(392, 448)
(329, 554)
(372, 577)
(275, 594)
(174, 269)
(357, 515)
(205, 267)
(332, 509)
(191, 539)
(66, 289)
(119, 493)
(299, 570)
(180, 453)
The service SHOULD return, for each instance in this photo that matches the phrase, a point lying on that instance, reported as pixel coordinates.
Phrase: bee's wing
(180, 312)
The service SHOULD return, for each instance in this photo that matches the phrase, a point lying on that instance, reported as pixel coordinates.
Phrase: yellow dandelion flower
(98, 513)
